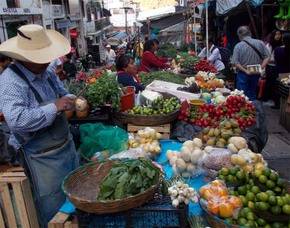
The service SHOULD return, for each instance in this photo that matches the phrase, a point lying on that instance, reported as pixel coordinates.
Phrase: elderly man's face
(35, 67)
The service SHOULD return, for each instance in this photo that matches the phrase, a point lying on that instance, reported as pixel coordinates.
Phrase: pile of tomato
(210, 115)
(204, 65)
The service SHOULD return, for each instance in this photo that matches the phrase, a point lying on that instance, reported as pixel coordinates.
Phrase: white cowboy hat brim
(58, 47)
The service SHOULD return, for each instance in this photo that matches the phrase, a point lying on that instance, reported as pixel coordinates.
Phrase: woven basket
(82, 188)
(143, 120)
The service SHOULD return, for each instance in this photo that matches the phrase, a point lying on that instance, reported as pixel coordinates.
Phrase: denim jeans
(249, 84)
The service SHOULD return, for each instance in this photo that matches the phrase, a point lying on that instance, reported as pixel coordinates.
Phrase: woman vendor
(127, 73)
(150, 62)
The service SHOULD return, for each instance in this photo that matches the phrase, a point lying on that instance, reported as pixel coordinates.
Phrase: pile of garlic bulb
(182, 193)
(185, 162)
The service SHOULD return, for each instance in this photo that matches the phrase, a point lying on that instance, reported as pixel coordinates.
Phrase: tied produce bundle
(128, 178)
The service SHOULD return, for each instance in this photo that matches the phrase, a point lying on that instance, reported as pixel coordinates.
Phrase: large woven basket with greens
(112, 186)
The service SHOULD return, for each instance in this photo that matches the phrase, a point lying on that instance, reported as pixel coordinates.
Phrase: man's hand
(64, 104)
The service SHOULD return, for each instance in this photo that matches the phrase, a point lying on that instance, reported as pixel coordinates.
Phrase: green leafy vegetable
(104, 91)
(161, 75)
(167, 50)
(127, 178)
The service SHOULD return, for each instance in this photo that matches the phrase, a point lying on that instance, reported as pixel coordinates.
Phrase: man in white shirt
(214, 56)
(110, 56)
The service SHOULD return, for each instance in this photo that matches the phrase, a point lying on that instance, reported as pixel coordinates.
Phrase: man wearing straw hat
(33, 101)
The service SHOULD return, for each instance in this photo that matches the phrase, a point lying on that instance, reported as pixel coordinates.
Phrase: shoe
(275, 107)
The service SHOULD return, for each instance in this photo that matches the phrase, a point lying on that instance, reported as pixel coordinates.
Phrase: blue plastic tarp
(225, 6)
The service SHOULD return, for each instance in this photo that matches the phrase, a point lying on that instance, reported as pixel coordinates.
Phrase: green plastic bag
(99, 137)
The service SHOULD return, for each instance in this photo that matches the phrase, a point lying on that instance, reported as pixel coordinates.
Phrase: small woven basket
(82, 188)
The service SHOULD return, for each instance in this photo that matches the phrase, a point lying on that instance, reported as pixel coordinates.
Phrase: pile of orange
(218, 201)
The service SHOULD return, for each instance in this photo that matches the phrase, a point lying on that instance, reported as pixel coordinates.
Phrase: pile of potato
(148, 139)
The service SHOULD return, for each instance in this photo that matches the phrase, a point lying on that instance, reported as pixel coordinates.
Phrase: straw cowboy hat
(35, 44)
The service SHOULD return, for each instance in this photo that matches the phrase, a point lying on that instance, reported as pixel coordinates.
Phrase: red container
(128, 99)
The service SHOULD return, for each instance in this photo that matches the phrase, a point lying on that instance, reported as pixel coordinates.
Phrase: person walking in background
(282, 55)
(214, 55)
(274, 41)
(247, 52)
(69, 68)
(110, 56)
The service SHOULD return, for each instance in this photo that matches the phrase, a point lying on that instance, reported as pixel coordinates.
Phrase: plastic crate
(157, 213)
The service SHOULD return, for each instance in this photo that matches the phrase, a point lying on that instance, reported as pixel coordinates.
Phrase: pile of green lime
(264, 191)
(233, 176)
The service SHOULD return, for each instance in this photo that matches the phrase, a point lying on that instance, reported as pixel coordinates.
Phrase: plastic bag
(98, 137)
(257, 135)
(133, 153)
(216, 200)
(215, 160)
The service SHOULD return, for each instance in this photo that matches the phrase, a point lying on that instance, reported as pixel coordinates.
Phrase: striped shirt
(21, 110)
(245, 55)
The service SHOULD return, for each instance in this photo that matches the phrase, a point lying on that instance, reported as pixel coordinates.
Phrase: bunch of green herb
(105, 90)
(128, 178)
(189, 62)
(167, 50)
(161, 75)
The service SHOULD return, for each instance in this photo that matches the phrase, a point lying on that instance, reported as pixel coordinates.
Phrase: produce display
(204, 65)
(186, 162)
(216, 199)
(159, 106)
(189, 62)
(221, 135)
(147, 139)
(167, 50)
(181, 193)
(128, 178)
(193, 88)
(205, 81)
(104, 90)
(266, 202)
(147, 78)
(235, 107)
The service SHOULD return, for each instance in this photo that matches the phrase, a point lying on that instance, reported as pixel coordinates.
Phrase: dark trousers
(271, 90)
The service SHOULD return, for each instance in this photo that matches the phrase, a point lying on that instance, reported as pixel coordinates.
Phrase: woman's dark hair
(122, 62)
(156, 41)
(149, 44)
(274, 43)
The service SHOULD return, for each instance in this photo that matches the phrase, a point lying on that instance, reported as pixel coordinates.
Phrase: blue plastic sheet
(196, 182)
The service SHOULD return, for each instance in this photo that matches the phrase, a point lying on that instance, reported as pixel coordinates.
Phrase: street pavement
(277, 149)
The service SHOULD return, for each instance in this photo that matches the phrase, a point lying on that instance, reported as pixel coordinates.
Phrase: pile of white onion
(186, 161)
(182, 193)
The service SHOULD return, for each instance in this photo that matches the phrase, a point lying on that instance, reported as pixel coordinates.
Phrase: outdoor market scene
(178, 116)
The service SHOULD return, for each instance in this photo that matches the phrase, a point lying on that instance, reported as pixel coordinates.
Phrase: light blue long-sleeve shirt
(21, 110)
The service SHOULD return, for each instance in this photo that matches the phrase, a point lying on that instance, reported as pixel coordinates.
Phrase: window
(66, 6)
(12, 4)
(56, 2)
(116, 11)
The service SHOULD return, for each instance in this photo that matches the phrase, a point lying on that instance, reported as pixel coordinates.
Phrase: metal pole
(195, 35)
(206, 27)
(126, 22)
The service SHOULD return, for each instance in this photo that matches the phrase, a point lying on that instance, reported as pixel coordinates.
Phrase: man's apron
(47, 156)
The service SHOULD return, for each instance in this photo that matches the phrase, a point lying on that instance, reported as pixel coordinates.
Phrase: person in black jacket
(68, 67)
(127, 73)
